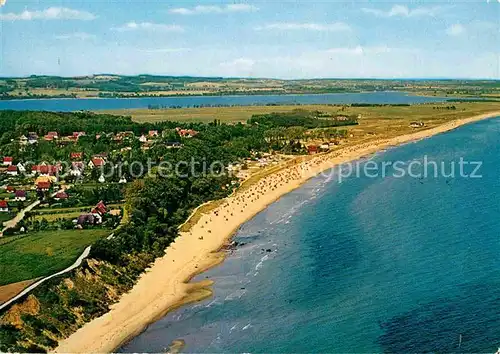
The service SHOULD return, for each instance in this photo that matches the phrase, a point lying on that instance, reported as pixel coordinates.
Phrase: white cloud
(83, 36)
(214, 9)
(2, 2)
(403, 11)
(148, 26)
(292, 26)
(455, 30)
(51, 13)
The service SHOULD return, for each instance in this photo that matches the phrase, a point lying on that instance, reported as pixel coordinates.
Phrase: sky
(272, 39)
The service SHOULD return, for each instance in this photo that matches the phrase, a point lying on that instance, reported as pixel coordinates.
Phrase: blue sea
(367, 265)
(89, 104)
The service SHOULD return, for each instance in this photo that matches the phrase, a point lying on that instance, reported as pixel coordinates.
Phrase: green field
(42, 253)
(370, 115)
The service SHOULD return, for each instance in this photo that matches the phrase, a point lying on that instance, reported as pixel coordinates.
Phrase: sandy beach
(165, 286)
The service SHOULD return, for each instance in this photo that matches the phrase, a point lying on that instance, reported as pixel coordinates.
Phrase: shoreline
(166, 284)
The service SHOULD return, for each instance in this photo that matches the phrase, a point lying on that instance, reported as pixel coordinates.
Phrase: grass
(42, 253)
(6, 217)
(53, 217)
(369, 114)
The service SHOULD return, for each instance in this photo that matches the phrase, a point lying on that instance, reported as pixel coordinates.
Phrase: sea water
(367, 265)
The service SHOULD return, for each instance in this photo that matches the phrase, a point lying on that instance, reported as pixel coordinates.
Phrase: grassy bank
(43, 253)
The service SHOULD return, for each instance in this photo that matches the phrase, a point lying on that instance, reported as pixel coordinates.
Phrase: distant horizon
(256, 77)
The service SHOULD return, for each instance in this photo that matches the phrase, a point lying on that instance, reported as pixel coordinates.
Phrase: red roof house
(44, 186)
(7, 160)
(312, 149)
(12, 170)
(20, 195)
(61, 195)
(76, 155)
(4, 206)
(97, 162)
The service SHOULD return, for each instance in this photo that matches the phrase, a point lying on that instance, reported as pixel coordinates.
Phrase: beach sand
(165, 286)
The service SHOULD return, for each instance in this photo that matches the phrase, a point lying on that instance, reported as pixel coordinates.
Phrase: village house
(50, 136)
(77, 168)
(11, 170)
(62, 195)
(4, 207)
(417, 124)
(102, 179)
(95, 216)
(153, 133)
(97, 161)
(143, 139)
(78, 134)
(7, 161)
(21, 168)
(186, 133)
(10, 189)
(85, 219)
(32, 138)
(76, 155)
(324, 147)
(43, 186)
(23, 140)
(20, 196)
(312, 149)
(122, 180)
(45, 170)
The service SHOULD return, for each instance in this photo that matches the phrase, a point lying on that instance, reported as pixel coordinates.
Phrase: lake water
(67, 105)
(367, 265)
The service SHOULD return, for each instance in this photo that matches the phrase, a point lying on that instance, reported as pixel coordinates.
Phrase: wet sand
(165, 286)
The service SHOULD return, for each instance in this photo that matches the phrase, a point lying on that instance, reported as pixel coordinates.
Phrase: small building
(312, 149)
(324, 147)
(417, 125)
(20, 196)
(23, 140)
(4, 207)
(87, 219)
(77, 168)
(21, 168)
(10, 189)
(102, 179)
(143, 139)
(186, 133)
(43, 186)
(122, 180)
(96, 162)
(62, 195)
(32, 138)
(45, 170)
(7, 161)
(153, 133)
(11, 170)
(76, 155)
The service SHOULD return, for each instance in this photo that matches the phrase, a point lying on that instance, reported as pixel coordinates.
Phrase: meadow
(42, 253)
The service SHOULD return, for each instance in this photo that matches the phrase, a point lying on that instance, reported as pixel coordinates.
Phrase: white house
(20, 196)
(143, 139)
(4, 207)
(23, 140)
(122, 180)
(11, 170)
(101, 179)
(21, 168)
